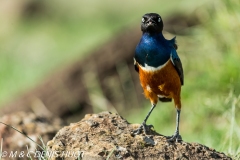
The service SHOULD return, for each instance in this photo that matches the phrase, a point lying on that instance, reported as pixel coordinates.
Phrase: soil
(39, 128)
(108, 135)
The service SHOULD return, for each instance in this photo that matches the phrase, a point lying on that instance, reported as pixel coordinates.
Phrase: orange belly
(164, 82)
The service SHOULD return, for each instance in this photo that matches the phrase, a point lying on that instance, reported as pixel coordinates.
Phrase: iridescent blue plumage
(154, 50)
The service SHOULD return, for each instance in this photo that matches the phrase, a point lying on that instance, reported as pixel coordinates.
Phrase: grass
(41, 154)
(42, 147)
(39, 43)
(1, 149)
(23, 135)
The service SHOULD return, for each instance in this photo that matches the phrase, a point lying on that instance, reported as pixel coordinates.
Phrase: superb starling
(159, 67)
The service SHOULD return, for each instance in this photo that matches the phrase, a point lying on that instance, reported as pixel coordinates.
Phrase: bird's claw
(176, 137)
(143, 127)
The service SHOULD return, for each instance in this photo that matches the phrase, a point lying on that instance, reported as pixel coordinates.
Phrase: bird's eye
(143, 20)
(159, 19)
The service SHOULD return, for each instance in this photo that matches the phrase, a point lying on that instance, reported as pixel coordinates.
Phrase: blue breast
(153, 50)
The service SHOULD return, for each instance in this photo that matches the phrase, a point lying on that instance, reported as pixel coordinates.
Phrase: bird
(160, 69)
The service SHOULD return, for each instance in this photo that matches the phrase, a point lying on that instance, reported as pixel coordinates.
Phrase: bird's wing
(135, 65)
(177, 64)
(173, 43)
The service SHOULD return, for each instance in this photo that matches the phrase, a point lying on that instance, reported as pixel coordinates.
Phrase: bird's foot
(176, 137)
(143, 127)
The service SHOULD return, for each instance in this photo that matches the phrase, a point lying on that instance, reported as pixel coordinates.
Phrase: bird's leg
(143, 126)
(176, 137)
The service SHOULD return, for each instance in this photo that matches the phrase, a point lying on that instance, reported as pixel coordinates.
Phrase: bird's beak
(150, 22)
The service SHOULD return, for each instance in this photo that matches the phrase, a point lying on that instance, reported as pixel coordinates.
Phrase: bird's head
(152, 23)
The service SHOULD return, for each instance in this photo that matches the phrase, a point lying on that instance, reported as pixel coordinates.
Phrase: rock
(108, 135)
(28, 123)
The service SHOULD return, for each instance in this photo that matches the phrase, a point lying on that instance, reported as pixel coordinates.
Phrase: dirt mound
(103, 135)
(15, 145)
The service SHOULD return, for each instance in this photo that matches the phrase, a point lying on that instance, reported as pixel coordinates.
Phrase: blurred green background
(38, 37)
